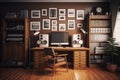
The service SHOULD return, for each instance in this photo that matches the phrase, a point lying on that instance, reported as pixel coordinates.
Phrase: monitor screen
(59, 38)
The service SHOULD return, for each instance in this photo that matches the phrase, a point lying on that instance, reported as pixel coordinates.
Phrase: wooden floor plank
(91, 73)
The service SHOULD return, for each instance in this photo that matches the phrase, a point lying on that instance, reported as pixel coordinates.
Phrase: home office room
(53, 40)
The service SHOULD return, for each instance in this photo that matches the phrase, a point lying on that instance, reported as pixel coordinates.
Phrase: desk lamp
(84, 32)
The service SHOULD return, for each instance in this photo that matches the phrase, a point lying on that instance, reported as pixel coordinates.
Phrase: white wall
(54, 0)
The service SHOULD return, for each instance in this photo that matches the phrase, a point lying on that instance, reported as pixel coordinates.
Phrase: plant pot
(111, 67)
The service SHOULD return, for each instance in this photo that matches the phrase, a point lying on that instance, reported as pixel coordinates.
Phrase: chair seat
(57, 60)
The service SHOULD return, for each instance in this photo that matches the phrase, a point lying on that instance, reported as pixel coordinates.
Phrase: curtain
(114, 9)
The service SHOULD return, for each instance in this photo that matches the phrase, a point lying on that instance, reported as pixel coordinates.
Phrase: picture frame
(52, 13)
(80, 15)
(62, 12)
(44, 12)
(62, 27)
(46, 24)
(35, 13)
(79, 25)
(71, 24)
(54, 22)
(71, 12)
(54, 27)
(34, 25)
(61, 17)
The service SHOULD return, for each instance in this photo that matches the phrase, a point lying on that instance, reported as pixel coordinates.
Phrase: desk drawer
(79, 59)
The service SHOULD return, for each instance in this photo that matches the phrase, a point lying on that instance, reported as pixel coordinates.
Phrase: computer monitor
(59, 38)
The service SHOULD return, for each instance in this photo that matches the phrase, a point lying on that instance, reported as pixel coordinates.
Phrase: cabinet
(99, 32)
(15, 41)
(79, 59)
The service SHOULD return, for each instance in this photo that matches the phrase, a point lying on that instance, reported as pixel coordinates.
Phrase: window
(116, 31)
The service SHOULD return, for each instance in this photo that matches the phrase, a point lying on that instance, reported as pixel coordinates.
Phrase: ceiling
(54, 0)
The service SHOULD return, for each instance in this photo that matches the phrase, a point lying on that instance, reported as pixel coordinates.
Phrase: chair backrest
(49, 51)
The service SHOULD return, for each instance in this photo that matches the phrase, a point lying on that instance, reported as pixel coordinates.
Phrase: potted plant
(112, 50)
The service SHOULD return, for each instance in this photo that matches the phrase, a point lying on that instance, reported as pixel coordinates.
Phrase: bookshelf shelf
(99, 32)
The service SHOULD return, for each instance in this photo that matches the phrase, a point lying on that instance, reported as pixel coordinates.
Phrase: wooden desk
(80, 56)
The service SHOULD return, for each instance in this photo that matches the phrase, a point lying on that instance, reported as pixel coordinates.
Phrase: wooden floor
(91, 73)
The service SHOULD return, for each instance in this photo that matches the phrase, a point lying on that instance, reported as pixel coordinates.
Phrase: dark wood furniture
(80, 56)
(99, 31)
(15, 36)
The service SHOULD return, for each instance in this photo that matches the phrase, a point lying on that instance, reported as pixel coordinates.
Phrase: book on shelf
(14, 39)
(15, 35)
(104, 23)
(100, 30)
(100, 16)
(100, 50)
(99, 37)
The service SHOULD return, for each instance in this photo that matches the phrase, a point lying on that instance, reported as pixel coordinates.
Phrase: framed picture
(62, 12)
(44, 12)
(71, 12)
(71, 24)
(54, 27)
(79, 25)
(35, 13)
(54, 22)
(46, 24)
(61, 17)
(80, 14)
(62, 27)
(52, 13)
(35, 25)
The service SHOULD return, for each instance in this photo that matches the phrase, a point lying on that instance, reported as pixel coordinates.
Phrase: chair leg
(67, 66)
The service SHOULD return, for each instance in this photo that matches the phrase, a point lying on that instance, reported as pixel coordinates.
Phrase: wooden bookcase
(99, 32)
(15, 41)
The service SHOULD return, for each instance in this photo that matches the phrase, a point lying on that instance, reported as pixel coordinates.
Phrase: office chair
(54, 59)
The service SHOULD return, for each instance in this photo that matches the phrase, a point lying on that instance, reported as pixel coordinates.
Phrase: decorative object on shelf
(99, 10)
(35, 13)
(24, 13)
(111, 49)
(80, 15)
(11, 15)
(34, 25)
(52, 13)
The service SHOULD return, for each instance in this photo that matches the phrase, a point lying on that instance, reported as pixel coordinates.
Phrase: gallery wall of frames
(50, 16)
